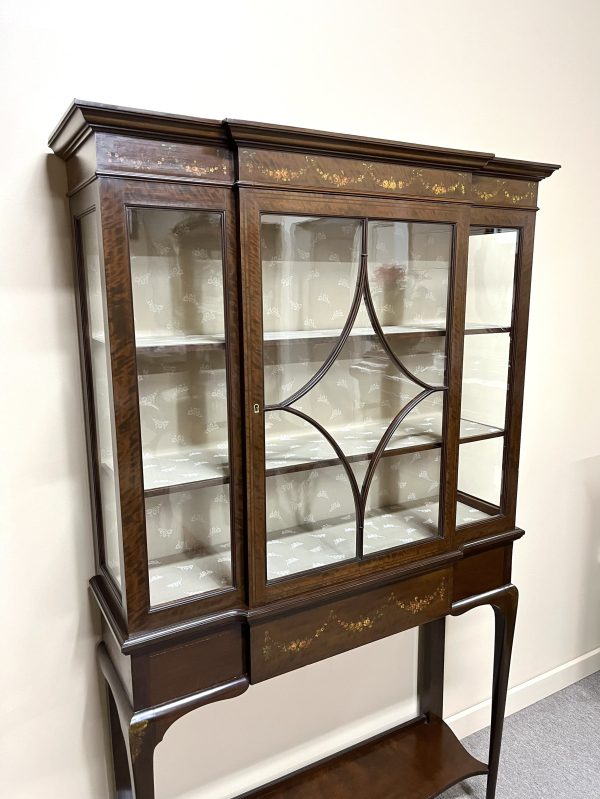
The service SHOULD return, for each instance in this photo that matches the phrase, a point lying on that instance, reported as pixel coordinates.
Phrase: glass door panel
(311, 505)
(354, 374)
(310, 283)
(486, 371)
(402, 504)
(179, 310)
(409, 274)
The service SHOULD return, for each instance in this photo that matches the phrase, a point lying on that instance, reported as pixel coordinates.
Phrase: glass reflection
(179, 311)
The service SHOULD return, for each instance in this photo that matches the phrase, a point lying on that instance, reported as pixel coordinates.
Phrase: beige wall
(518, 78)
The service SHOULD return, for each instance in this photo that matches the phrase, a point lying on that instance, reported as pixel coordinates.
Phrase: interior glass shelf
(465, 514)
(183, 467)
(147, 345)
(301, 549)
(180, 576)
(310, 546)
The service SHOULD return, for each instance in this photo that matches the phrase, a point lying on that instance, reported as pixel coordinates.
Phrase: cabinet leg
(430, 678)
(505, 614)
(133, 745)
(141, 759)
(121, 772)
(136, 734)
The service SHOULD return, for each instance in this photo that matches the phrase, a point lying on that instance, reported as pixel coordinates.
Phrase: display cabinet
(303, 361)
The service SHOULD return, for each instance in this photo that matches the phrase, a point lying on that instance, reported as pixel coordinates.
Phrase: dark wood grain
(82, 118)
(480, 572)
(284, 644)
(497, 191)
(280, 137)
(252, 204)
(194, 162)
(116, 196)
(454, 354)
(189, 668)
(416, 761)
(87, 202)
(160, 663)
(504, 602)
(524, 222)
(81, 166)
(346, 175)
(319, 172)
(142, 730)
(430, 673)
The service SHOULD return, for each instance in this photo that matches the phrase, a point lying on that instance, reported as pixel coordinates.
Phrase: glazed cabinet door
(348, 310)
(172, 304)
(497, 305)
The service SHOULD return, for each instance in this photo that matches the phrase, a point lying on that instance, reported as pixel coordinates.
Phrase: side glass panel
(179, 309)
(354, 372)
(109, 516)
(486, 371)
(407, 300)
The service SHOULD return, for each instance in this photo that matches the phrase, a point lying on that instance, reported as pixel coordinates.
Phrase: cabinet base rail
(419, 759)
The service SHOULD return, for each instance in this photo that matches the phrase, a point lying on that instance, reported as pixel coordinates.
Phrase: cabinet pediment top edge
(259, 134)
(83, 117)
(266, 136)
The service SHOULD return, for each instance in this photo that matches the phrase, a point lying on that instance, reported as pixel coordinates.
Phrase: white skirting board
(520, 696)
(464, 723)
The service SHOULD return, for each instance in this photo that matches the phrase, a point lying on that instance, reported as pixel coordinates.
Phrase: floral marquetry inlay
(126, 154)
(502, 191)
(344, 174)
(369, 621)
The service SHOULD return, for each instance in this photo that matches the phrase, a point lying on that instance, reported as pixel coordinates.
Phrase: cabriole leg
(133, 743)
(135, 735)
(141, 759)
(505, 614)
(122, 774)
(504, 602)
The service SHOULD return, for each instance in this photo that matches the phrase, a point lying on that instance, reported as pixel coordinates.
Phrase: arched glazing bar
(362, 291)
(385, 343)
(356, 493)
(344, 335)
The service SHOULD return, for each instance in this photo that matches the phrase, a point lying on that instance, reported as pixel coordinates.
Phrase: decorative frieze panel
(299, 170)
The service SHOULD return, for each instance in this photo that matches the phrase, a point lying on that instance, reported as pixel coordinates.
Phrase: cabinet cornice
(83, 117)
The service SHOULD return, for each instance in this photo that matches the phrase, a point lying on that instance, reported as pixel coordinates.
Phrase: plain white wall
(521, 79)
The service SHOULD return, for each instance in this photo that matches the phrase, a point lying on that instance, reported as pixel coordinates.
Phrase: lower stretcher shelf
(418, 760)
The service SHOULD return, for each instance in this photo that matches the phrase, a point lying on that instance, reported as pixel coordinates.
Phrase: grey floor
(550, 750)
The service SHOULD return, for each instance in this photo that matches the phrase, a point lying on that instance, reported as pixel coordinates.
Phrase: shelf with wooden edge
(189, 468)
(478, 506)
(302, 548)
(305, 547)
(177, 344)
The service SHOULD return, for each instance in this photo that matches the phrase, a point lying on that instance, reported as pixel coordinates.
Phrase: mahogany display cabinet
(303, 361)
